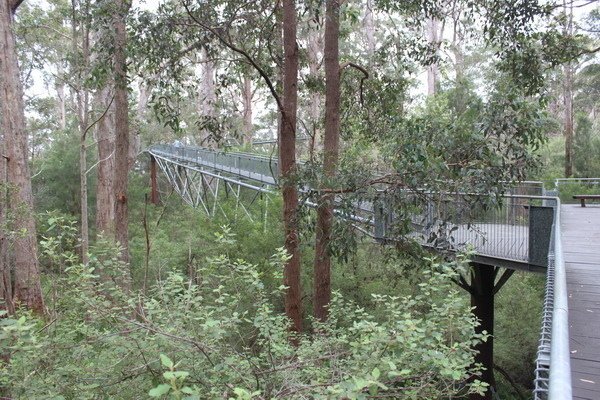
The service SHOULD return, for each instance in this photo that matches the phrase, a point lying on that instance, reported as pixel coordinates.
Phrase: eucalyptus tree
(107, 73)
(568, 72)
(439, 147)
(79, 68)
(252, 32)
(121, 126)
(27, 287)
(322, 263)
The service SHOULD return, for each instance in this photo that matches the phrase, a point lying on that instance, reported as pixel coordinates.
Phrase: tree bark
(82, 95)
(314, 50)
(207, 97)
(105, 136)
(27, 287)
(568, 99)
(153, 182)
(433, 70)
(121, 129)
(322, 264)
(287, 154)
(482, 301)
(135, 144)
(247, 104)
(6, 296)
(60, 97)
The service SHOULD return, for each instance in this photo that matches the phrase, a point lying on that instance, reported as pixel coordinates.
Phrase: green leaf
(160, 390)
(376, 373)
(187, 390)
(166, 361)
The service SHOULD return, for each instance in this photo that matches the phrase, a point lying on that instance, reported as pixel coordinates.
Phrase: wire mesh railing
(516, 227)
(454, 222)
(257, 168)
(566, 188)
(552, 366)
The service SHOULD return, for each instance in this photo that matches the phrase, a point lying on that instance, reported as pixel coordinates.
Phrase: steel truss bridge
(524, 233)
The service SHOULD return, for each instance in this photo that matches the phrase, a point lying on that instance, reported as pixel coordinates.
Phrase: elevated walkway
(506, 237)
(526, 231)
(581, 251)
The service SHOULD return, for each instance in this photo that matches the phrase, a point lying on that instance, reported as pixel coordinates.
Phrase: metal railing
(527, 188)
(516, 228)
(553, 364)
(590, 181)
(257, 168)
(450, 222)
(567, 187)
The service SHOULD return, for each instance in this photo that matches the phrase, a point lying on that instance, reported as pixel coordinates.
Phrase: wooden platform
(581, 247)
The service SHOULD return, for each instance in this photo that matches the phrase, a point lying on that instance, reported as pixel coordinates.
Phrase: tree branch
(84, 134)
(588, 51)
(240, 51)
(361, 69)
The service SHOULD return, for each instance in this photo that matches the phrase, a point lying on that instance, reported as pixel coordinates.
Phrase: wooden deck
(581, 248)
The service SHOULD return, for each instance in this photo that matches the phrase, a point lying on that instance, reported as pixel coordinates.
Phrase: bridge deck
(581, 248)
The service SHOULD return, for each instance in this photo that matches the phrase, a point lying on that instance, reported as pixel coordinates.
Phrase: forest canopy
(127, 275)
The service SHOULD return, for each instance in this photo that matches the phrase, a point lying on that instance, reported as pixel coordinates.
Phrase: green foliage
(221, 335)
(58, 238)
(56, 181)
(516, 331)
(181, 237)
(586, 148)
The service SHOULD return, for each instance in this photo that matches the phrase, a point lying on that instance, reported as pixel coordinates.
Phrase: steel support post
(482, 299)
(153, 182)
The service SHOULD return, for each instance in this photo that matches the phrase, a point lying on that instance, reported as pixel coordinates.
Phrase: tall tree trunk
(369, 24)
(78, 65)
(207, 97)
(287, 154)
(105, 136)
(135, 143)
(247, 103)
(456, 47)
(6, 297)
(322, 264)
(121, 129)
(27, 288)
(433, 70)
(568, 99)
(459, 59)
(314, 50)
(153, 182)
(83, 183)
(60, 97)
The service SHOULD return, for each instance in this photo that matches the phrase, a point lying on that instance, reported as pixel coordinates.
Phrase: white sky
(39, 88)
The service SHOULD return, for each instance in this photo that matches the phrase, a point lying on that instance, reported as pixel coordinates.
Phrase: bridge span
(527, 231)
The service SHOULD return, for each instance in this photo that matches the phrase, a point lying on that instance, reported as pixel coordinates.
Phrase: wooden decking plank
(580, 230)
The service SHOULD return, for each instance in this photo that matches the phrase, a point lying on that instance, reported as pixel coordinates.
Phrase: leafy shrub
(218, 335)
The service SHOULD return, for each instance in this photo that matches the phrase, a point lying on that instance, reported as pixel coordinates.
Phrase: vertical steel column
(153, 182)
(482, 299)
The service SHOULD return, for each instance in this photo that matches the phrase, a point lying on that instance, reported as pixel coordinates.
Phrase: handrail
(559, 181)
(553, 363)
(560, 358)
